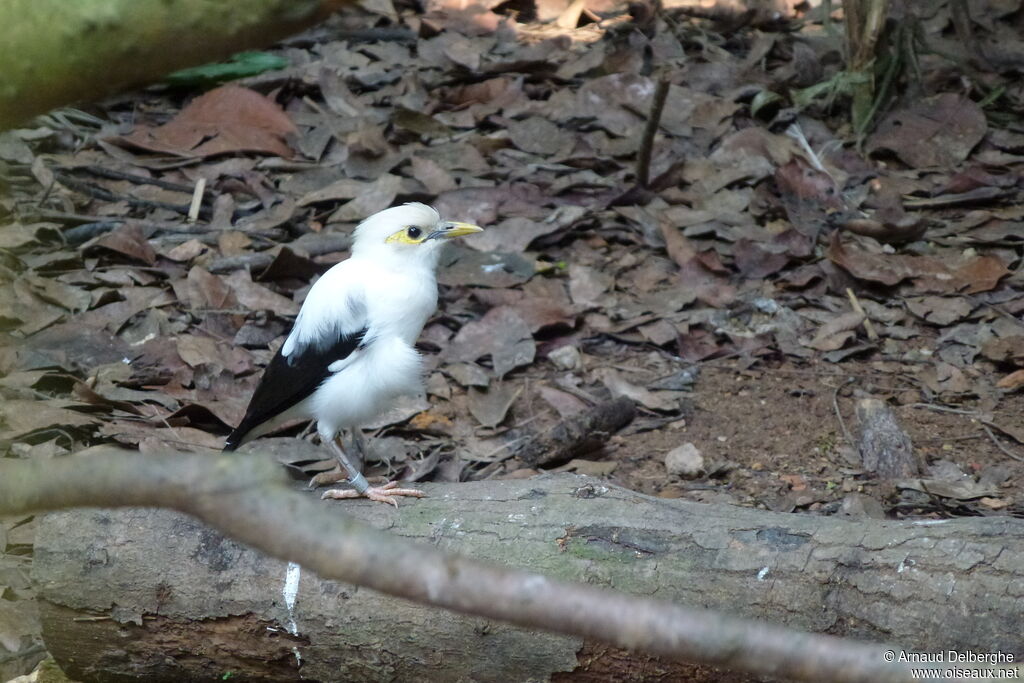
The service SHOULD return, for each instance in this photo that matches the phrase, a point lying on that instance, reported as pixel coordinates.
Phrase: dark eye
(413, 232)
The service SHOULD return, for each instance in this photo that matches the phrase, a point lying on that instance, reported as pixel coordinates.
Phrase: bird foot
(332, 476)
(381, 494)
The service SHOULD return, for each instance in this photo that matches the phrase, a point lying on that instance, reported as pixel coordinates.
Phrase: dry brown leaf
(512, 234)
(196, 351)
(940, 310)
(538, 135)
(433, 176)
(22, 417)
(755, 261)
(502, 334)
(587, 285)
(257, 297)
(1013, 381)
(491, 406)
(377, 196)
(565, 403)
(978, 274)
(225, 120)
(934, 131)
(663, 401)
(127, 240)
(204, 290)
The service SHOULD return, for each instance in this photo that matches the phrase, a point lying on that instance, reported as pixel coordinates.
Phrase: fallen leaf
(940, 310)
(933, 131)
(835, 333)
(127, 240)
(18, 618)
(204, 290)
(655, 400)
(538, 135)
(433, 176)
(587, 285)
(225, 120)
(1013, 381)
(378, 196)
(755, 261)
(257, 297)
(491, 406)
(21, 417)
(563, 402)
(512, 234)
(502, 334)
(197, 350)
(977, 274)
(468, 374)
(464, 267)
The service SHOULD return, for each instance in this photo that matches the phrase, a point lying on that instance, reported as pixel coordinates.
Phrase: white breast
(397, 305)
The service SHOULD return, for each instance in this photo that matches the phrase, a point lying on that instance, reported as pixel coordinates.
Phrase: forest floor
(721, 296)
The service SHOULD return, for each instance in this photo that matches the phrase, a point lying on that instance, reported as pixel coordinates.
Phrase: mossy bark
(58, 52)
(152, 594)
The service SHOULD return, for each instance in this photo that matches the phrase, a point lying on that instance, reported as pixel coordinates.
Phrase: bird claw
(332, 476)
(381, 494)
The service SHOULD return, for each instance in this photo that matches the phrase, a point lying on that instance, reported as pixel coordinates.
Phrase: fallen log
(103, 46)
(153, 594)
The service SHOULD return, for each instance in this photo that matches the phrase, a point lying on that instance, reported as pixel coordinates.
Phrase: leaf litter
(796, 270)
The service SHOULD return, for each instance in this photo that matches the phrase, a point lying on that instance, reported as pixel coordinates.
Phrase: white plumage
(351, 351)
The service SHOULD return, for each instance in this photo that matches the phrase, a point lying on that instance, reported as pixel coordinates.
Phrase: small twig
(869, 326)
(1006, 451)
(643, 158)
(134, 178)
(97, 192)
(839, 414)
(943, 409)
(197, 200)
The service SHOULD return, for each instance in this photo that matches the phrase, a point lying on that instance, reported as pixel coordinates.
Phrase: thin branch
(247, 498)
(643, 157)
(1006, 451)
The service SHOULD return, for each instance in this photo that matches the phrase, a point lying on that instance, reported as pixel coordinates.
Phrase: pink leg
(381, 494)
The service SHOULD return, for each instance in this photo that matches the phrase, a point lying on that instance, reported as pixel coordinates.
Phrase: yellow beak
(450, 229)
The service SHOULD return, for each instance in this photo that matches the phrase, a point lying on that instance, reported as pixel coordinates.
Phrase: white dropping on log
(291, 592)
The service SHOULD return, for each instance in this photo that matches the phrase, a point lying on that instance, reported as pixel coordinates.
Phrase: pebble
(566, 358)
(685, 461)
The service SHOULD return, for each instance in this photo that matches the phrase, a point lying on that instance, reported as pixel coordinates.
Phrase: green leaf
(762, 99)
(239, 66)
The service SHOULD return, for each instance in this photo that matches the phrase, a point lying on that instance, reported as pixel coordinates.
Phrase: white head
(410, 234)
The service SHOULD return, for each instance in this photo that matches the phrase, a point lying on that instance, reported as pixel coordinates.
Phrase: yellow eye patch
(408, 235)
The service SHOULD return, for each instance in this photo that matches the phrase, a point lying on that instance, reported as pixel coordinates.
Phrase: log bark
(56, 52)
(573, 436)
(153, 594)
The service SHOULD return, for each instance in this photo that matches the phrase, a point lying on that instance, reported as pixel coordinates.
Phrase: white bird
(351, 353)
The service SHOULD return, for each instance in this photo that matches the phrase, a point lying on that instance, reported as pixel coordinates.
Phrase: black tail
(234, 440)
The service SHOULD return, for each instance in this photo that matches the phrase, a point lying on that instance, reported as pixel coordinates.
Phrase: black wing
(287, 381)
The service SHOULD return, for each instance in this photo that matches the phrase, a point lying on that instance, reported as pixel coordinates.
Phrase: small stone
(685, 461)
(859, 505)
(566, 358)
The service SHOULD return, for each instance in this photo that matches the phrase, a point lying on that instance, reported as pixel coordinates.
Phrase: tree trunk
(56, 52)
(152, 594)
